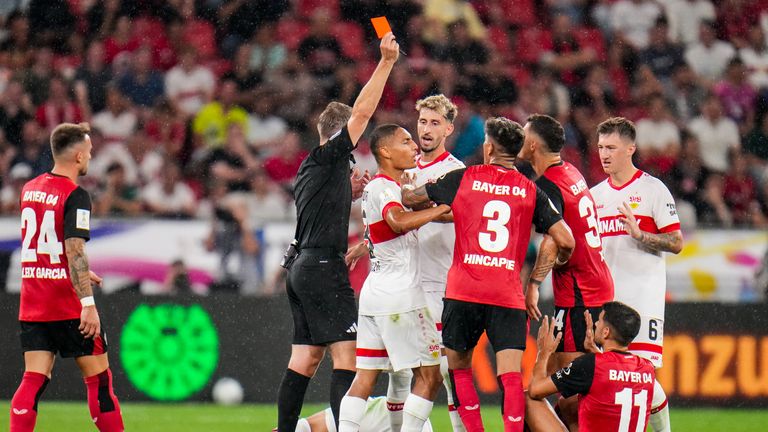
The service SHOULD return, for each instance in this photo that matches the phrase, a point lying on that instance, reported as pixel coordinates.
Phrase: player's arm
(77, 213)
(365, 104)
(402, 221)
(542, 385)
(547, 219)
(441, 191)
(671, 241)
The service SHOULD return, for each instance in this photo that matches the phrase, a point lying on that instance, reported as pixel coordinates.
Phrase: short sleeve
(389, 197)
(545, 214)
(444, 189)
(664, 210)
(77, 215)
(338, 147)
(577, 377)
(552, 191)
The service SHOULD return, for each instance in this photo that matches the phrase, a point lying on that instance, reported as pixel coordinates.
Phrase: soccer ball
(227, 391)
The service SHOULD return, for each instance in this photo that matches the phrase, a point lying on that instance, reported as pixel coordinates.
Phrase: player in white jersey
(395, 329)
(375, 419)
(435, 124)
(638, 223)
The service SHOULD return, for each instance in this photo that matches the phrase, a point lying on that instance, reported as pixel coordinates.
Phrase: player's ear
(449, 129)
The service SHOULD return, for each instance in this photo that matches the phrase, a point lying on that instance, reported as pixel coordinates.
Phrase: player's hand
(354, 254)
(408, 179)
(629, 221)
(532, 301)
(547, 342)
(359, 182)
(589, 339)
(95, 279)
(390, 49)
(90, 324)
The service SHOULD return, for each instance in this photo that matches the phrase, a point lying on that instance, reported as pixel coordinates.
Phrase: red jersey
(615, 390)
(53, 208)
(586, 279)
(493, 209)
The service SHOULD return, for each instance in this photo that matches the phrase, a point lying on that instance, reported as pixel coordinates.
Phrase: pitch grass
(156, 417)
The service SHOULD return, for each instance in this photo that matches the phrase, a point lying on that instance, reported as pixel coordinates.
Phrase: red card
(381, 25)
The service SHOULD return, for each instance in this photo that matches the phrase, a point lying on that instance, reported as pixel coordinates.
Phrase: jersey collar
(440, 158)
(637, 175)
(385, 177)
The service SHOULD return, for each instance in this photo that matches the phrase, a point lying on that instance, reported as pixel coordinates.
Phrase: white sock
(351, 413)
(303, 426)
(415, 412)
(453, 413)
(659, 410)
(397, 391)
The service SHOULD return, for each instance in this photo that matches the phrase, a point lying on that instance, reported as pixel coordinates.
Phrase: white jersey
(393, 284)
(639, 275)
(375, 419)
(435, 239)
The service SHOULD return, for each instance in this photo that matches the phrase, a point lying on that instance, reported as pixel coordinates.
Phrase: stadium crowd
(202, 109)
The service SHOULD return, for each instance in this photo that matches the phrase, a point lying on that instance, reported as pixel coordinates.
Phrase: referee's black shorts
(322, 301)
(464, 323)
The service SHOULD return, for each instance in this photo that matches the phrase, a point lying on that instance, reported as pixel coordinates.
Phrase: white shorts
(649, 342)
(435, 306)
(399, 341)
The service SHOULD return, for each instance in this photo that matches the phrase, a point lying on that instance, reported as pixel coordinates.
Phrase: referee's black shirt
(323, 195)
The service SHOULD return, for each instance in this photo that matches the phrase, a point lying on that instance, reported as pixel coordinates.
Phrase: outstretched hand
(547, 342)
(589, 339)
(631, 224)
(359, 182)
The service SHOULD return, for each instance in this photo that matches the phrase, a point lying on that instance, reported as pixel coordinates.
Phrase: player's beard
(436, 144)
(83, 170)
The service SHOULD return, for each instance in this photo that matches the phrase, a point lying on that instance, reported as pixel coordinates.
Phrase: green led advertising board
(169, 351)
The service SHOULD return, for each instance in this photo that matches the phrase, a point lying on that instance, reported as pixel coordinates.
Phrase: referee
(321, 299)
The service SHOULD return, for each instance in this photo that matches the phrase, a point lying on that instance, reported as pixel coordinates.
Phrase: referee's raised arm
(321, 298)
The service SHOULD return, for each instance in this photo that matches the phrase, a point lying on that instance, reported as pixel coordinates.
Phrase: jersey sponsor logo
(494, 189)
(83, 220)
(579, 187)
(672, 209)
(352, 328)
(630, 377)
(40, 197)
(43, 273)
(489, 261)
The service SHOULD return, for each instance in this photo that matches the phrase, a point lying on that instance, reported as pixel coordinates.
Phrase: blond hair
(440, 104)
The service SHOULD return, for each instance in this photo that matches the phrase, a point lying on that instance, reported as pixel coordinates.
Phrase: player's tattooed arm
(545, 261)
(415, 197)
(79, 272)
(662, 242)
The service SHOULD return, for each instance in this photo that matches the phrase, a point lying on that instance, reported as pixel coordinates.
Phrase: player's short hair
(625, 128)
(440, 104)
(379, 135)
(549, 130)
(624, 321)
(506, 133)
(66, 135)
(333, 118)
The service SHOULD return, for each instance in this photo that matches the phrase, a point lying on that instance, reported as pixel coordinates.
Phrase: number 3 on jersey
(47, 242)
(498, 214)
(587, 210)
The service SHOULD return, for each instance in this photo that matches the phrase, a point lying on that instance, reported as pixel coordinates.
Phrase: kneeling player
(395, 329)
(615, 387)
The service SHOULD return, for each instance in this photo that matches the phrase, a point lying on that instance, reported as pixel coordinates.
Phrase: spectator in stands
(295, 86)
(756, 150)
(736, 95)
(189, 85)
(18, 44)
(94, 74)
(37, 78)
(685, 19)
(15, 109)
(233, 162)
(101, 17)
(168, 196)
(7, 153)
(566, 55)
(267, 203)
(50, 21)
(212, 122)
(715, 211)
(265, 127)
(320, 50)
(658, 138)
(10, 194)
(117, 122)
(689, 176)
(755, 57)
(468, 55)
(282, 166)
(710, 56)
(632, 20)
(34, 149)
(242, 74)
(553, 98)
(717, 135)
(116, 197)
(267, 53)
(121, 40)
(686, 94)
(661, 55)
(741, 194)
(142, 84)
(445, 12)
(345, 86)
(167, 128)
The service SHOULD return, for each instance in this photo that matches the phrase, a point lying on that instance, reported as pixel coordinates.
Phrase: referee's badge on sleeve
(83, 219)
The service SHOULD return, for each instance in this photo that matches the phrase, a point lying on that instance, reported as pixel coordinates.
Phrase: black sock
(341, 380)
(290, 399)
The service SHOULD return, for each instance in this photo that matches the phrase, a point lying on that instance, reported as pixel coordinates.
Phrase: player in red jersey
(494, 207)
(615, 387)
(57, 312)
(584, 282)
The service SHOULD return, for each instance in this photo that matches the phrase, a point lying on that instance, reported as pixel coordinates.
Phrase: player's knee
(430, 377)
(305, 363)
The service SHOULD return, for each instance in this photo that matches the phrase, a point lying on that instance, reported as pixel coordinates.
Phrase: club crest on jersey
(634, 201)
